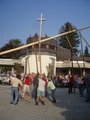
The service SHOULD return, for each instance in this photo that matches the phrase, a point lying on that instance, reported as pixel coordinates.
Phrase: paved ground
(68, 107)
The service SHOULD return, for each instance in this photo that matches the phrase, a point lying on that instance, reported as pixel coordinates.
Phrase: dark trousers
(70, 85)
(88, 94)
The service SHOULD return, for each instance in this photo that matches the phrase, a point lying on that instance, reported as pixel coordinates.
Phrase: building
(30, 56)
(7, 64)
(54, 59)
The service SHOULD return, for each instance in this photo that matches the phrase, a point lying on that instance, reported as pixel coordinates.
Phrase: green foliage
(32, 39)
(18, 68)
(73, 38)
(13, 43)
(29, 40)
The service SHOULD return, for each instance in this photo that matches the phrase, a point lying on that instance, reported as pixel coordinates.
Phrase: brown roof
(63, 53)
(87, 59)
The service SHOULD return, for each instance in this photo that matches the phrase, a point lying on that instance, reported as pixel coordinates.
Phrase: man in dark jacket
(35, 86)
(87, 79)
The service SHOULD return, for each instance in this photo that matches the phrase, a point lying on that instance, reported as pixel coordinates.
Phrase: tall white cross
(41, 20)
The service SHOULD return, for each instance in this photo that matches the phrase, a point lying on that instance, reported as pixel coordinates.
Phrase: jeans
(53, 95)
(14, 95)
(80, 89)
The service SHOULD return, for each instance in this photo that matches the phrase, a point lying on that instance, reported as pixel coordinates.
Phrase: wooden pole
(82, 56)
(73, 53)
(36, 59)
(40, 62)
(43, 40)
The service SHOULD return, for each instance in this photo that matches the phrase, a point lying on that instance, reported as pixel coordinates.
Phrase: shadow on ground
(72, 106)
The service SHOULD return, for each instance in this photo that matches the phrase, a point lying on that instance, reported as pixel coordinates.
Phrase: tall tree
(73, 38)
(86, 52)
(13, 43)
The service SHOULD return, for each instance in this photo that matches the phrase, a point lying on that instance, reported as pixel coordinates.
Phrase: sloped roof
(87, 59)
(63, 53)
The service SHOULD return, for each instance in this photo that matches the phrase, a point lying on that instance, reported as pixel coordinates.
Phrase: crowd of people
(32, 85)
(36, 86)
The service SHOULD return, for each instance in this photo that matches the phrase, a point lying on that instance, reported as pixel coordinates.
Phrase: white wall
(31, 63)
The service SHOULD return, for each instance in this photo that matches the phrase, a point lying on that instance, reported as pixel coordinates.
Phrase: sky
(19, 18)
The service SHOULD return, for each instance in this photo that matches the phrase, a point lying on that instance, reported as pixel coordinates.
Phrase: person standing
(35, 86)
(84, 86)
(40, 90)
(15, 83)
(79, 84)
(71, 83)
(46, 82)
(53, 89)
(87, 79)
(26, 87)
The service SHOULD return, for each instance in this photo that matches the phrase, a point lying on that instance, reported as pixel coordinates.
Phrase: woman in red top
(27, 83)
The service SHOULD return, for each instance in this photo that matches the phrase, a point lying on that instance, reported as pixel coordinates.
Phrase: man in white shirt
(40, 90)
(15, 83)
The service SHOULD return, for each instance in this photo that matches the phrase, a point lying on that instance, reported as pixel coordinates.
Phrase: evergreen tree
(73, 37)
(86, 52)
(13, 43)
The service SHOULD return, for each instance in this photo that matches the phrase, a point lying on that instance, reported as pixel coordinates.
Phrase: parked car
(5, 80)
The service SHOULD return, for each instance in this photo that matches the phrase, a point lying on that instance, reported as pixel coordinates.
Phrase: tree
(13, 43)
(29, 40)
(73, 38)
(32, 39)
(86, 52)
(18, 68)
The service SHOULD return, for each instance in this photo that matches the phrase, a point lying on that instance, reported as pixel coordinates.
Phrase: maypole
(36, 59)
(43, 40)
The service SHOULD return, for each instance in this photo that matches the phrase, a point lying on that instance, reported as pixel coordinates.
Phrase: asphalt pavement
(68, 107)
